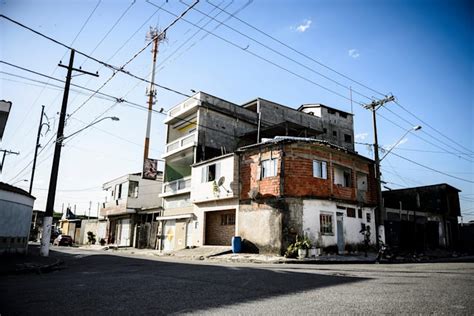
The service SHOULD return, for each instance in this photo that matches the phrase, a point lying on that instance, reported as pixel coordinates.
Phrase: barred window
(326, 224)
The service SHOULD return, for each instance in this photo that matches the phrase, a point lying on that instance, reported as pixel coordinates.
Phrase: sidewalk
(30, 263)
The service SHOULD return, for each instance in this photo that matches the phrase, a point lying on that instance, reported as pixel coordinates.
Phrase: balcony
(176, 187)
(180, 144)
(183, 108)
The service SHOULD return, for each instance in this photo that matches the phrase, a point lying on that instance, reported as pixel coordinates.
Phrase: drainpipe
(282, 171)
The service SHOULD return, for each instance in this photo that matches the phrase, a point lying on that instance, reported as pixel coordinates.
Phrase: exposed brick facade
(218, 233)
(295, 178)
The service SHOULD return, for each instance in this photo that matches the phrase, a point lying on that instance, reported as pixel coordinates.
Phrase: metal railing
(181, 142)
(177, 185)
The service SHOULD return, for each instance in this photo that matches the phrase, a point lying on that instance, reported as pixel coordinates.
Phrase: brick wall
(217, 234)
(298, 170)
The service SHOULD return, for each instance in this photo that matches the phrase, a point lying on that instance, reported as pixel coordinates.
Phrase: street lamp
(381, 209)
(113, 118)
(414, 128)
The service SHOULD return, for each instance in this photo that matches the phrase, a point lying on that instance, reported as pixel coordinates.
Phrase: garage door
(220, 227)
(168, 232)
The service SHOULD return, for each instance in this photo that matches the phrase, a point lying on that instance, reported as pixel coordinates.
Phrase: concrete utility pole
(36, 147)
(156, 37)
(48, 215)
(380, 212)
(5, 152)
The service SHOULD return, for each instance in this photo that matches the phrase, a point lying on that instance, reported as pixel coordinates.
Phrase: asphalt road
(93, 282)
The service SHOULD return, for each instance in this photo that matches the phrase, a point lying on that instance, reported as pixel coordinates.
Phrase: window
(334, 133)
(118, 191)
(210, 173)
(320, 169)
(347, 138)
(331, 111)
(133, 189)
(343, 115)
(347, 179)
(227, 219)
(369, 217)
(326, 224)
(269, 168)
(325, 130)
(351, 212)
(359, 213)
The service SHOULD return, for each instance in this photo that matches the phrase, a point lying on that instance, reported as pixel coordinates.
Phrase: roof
(430, 186)
(307, 105)
(10, 188)
(290, 139)
(211, 160)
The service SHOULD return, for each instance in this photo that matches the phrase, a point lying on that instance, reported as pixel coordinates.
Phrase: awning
(180, 216)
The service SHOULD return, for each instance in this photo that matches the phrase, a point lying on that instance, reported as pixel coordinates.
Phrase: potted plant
(302, 245)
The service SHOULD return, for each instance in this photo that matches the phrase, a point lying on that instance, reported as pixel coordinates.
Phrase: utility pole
(5, 152)
(48, 215)
(156, 37)
(380, 212)
(36, 148)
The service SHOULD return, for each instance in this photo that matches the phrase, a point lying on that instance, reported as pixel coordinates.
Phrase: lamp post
(382, 214)
(113, 118)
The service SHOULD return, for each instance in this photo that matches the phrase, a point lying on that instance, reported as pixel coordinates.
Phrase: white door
(189, 233)
(169, 233)
(124, 232)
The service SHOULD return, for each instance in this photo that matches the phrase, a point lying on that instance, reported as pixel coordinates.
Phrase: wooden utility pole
(380, 212)
(36, 148)
(48, 215)
(5, 152)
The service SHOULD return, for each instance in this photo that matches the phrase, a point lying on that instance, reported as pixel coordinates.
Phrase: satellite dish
(220, 182)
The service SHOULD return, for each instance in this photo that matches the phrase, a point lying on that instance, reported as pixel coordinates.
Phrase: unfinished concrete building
(204, 127)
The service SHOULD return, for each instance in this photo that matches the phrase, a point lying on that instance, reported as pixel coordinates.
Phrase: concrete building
(16, 209)
(202, 133)
(131, 205)
(423, 217)
(299, 186)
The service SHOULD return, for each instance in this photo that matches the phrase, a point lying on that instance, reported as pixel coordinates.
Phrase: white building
(16, 209)
(130, 203)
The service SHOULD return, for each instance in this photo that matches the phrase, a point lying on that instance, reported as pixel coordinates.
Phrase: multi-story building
(131, 206)
(201, 131)
(300, 186)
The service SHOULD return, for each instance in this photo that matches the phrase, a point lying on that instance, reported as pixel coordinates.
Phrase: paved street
(92, 282)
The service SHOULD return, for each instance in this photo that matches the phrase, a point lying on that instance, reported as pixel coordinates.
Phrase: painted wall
(352, 225)
(15, 213)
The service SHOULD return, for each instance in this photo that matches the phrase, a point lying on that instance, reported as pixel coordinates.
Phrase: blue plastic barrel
(236, 244)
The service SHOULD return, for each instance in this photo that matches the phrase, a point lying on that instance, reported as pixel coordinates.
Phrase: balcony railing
(181, 143)
(177, 185)
(181, 108)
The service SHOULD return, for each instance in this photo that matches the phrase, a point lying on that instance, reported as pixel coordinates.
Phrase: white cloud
(361, 136)
(354, 53)
(303, 27)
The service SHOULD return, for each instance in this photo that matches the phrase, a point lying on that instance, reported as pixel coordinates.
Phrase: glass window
(351, 212)
(326, 224)
(320, 169)
(347, 138)
(133, 189)
(369, 217)
(269, 168)
(210, 173)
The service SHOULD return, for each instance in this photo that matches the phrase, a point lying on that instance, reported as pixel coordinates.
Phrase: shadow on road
(94, 284)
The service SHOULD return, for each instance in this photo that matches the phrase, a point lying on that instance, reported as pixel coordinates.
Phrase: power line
(283, 55)
(298, 52)
(262, 58)
(432, 169)
(410, 123)
(430, 126)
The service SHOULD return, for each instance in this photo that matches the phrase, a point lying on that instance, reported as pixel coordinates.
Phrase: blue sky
(421, 51)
